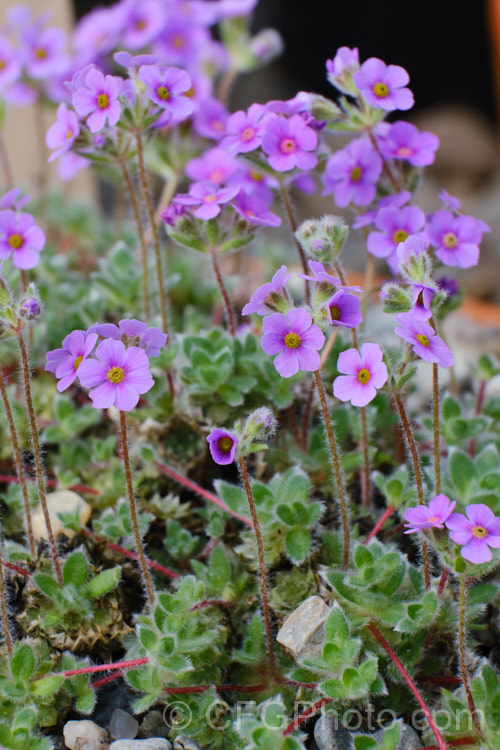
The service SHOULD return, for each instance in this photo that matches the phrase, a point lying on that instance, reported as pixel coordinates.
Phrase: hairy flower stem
(293, 225)
(133, 510)
(418, 477)
(262, 568)
(311, 711)
(435, 427)
(140, 232)
(3, 606)
(462, 656)
(223, 291)
(38, 457)
(19, 465)
(339, 478)
(406, 677)
(154, 230)
(385, 166)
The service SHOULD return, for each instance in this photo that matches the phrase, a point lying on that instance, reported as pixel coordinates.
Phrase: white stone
(154, 743)
(85, 735)
(62, 501)
(303, 631)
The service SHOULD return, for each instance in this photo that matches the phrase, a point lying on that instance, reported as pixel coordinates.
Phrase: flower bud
(266, 46)
(260, 424)
(323, 238)
(395, 298)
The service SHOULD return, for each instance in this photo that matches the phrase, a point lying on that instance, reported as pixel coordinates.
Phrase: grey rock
(303, 631)
(408, 738)
(123, 725)
(331, 735)
(153, 725)
(185, 743)
(154, 743)
(85, 735)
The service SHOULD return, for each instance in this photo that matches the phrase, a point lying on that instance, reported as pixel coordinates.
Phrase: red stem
(103, 667)
(406, 677)
(383, 518)
(200, 491)
(456, 743)
(17, 569)
(51, 483)
(295, 724)
(109, 678)
(132, 555)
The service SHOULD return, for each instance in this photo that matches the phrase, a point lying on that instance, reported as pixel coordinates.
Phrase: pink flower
(395, 225)
(66, 362)
(295, 339)
(208, 196)
(260, 299)
(478, 530)
(426, 343)
(432, 516)
(244, 130)
(20, 237)
(402, 140)
(222, 446)
(364, 372)
(288, 143)
(255, 210)
(344, 310)
(98, 98)
(456, 239)
(352, 173)
(164, 87)
(117, 377)
(383, 86)
(62, 133)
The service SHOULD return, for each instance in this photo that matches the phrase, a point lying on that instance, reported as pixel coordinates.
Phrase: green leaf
(450, 408)
(298, 544)
(48, 585)
(75, 569)
(462, 471)
(148, 639)
(337, 628)
(23, 662)
(47, 685)
(104, 582)
(86, 701)
(286, 514)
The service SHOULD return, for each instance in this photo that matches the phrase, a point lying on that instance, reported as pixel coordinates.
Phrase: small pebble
(303, 631)
(62, 501)
(153, 725)
(331, 735)
(85, 735)
(185, 743)
(123, 725)
(155, 743)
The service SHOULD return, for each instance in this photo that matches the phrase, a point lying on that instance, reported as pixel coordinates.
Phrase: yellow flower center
(77, 362)
(364, 375)
(356, 173)
(400, 236)
(292, 340)
(40, 53)
(210, 198)
(257, 176)
(225, 444)
(380, 90)
(334, 312)
(116, 375)
(102, 101)
(479, 532)
(163, 93)
(422, 339)
(288, 145)
(3, 64)
(432, 519)
(450, 240)
(217, 125)
(69, 134)
(247, 134)
(179, 41)
(16, 241)
(140, 24)
(404, 151)
(217, 175)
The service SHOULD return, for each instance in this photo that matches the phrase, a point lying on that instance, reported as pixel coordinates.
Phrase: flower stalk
(462, 654)
(223, 291)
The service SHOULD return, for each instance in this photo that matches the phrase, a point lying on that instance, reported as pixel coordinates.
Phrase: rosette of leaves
(183, 645)
(30, 681)
(78, 614)
(115, 524)
(224, 373)
(223, 577)
(286, 513)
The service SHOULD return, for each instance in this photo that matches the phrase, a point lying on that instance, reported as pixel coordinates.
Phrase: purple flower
(352, 173)
(383, 86)
(215, 165)
(20, 236)
(208, 196)
(45, 53)
(449, 285)
(456, 239)
(172, 213)
(143, 22)
(10, 63)
(478, 530)
(395, 225)
(363, 373)
(288, 143)
(402, 140)
(133, 333)
(426, 343)
(164, 86)
(368, 217)
(117, 377)
(340, 70)
(432, 516)
(344, 310)
(295, 339)
(320, 274)
(222, 446)
(449, 200)
(62, 133)
(244, 130)
(422, 296)
(260, 299)
(98, 98)
(12, 199)
(65, 362)
(255, 210)
(211, 119)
